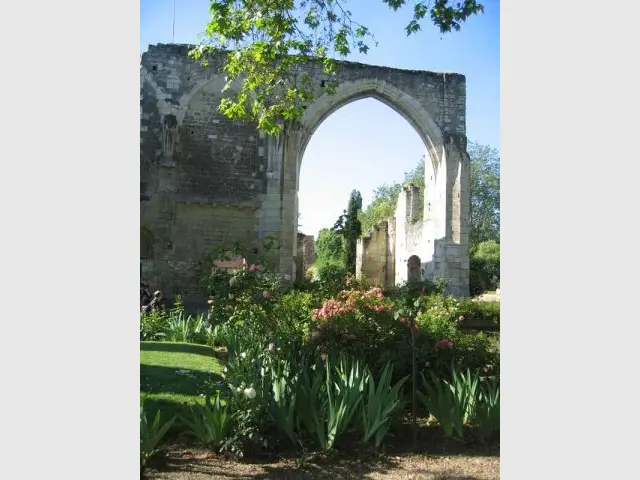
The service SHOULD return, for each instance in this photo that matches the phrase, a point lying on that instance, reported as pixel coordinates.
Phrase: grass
(174, 376)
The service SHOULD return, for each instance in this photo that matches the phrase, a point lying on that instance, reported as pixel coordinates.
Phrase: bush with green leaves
(330, 275)
(359, 323)
(209, 423)
(175, 326)
(479, 314)
(486, 416)
(484, 272)
(442, 341)
(292, 316)
(466, 400)
(152, 432)
(323, 400)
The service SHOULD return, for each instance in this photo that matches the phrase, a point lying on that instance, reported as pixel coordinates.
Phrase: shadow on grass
(205, 350)
(170, 380)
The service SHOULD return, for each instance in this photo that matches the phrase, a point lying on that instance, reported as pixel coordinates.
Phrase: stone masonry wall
(374, 260)
(308, 252)
(305, 254)
(207, 181)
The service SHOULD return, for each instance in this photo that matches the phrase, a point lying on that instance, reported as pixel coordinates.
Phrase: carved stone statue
(169, 137)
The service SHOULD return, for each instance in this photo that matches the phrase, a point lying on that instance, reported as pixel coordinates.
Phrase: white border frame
(70, 239)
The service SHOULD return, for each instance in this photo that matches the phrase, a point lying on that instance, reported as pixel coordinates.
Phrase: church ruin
(206, 180)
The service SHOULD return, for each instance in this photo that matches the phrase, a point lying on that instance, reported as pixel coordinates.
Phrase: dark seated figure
(156, 305)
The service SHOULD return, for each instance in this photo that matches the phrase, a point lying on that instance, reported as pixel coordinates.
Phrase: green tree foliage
(485, 267)
(330, 247)
(485, 193)
(330, 263)
(265, 40)
(350, 227)
(353, 229)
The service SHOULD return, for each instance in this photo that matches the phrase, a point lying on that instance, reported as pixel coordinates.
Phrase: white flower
(250, 392)
(238, 390)
(272, 347)
(243, 355)
(230, 296)
(224, 369)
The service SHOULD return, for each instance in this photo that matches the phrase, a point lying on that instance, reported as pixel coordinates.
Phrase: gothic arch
(401, 102)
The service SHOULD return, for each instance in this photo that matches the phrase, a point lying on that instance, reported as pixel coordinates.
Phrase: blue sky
(366, 144)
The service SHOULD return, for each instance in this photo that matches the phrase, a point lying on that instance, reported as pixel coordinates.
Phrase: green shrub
(466, 400)
(151, 433)
(478, 352)
(450, 402)
(484, 274)
(210, 423)
(486, 416)
(440, 340)
(380, 405)
(331, 276)
(292, 317)
(479, 314)
(154, 326)
(358, 323)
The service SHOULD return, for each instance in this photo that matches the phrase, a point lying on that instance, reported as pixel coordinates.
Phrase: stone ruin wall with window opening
(207, 181)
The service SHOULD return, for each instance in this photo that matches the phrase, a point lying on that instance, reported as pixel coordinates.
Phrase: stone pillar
(447, 216)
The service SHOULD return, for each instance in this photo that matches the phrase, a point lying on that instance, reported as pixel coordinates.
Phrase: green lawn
(176, 375)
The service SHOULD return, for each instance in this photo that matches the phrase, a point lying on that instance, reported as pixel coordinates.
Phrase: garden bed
(188, 463)
(325, 371)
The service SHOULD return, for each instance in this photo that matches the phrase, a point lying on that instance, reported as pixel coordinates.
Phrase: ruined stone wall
(374, 259)
(207, 181)
(409, 232)
(308, 252)
(305, 254)
(201, 174)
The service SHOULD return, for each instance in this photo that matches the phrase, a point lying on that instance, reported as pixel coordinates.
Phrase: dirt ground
(182, 463)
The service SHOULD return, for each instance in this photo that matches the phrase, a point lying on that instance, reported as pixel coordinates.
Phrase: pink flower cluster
(329, 308)
(446, 343)
(350, 301)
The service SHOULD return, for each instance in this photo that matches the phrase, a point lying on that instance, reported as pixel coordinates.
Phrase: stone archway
(211, 181)
(446, 212)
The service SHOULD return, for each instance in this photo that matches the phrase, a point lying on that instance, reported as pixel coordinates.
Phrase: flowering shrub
(442, 342)
(243, 375)
(353, 302)
(247, 295)
(357, 322)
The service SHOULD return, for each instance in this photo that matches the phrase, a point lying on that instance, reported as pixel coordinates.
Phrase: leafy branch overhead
(265, 41)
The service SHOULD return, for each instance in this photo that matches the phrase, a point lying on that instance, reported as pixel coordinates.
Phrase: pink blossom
(446, 343)
(253, 268)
